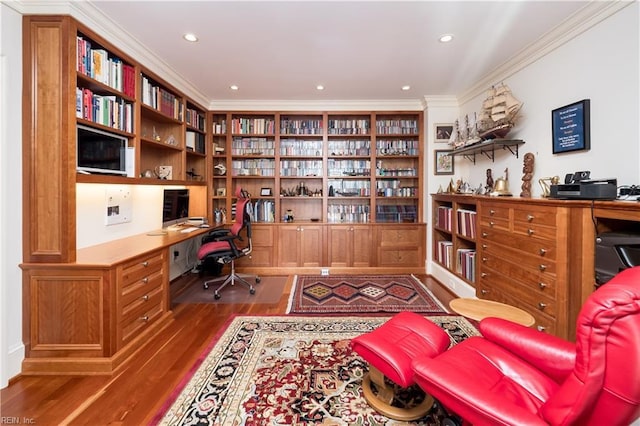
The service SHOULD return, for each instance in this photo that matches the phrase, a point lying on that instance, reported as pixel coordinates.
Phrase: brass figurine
(527, 169)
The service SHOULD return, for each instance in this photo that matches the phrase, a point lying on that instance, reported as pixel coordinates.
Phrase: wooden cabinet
(301, 245)
(263, 252)
(400, 245)
(350, 245)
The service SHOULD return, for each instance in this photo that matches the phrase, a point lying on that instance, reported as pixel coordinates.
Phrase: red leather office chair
(515, 375)
(223, 246)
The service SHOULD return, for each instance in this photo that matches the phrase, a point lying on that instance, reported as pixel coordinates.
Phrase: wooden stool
(479, 309)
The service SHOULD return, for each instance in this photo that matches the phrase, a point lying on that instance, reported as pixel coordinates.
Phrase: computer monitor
(175, 207)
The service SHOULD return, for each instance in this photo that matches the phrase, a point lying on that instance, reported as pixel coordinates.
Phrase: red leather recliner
(514, 375)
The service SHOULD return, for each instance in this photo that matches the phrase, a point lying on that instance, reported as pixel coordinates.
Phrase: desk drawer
(136, 324)
(535, 215)
(142, 267)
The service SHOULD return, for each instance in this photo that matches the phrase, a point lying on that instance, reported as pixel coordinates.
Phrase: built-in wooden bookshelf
(336, 167)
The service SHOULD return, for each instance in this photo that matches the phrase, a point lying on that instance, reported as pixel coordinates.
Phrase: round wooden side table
(479, 309)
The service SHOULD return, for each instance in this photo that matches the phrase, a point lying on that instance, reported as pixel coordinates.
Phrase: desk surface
(479, 309)
(117, 251)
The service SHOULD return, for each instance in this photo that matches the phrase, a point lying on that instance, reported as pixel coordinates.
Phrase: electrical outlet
(176, 254)
(324, 272)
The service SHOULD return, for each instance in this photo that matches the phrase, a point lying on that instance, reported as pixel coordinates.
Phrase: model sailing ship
(497, 117)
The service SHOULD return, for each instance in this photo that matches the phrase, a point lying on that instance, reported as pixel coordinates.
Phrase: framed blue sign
(570, 127)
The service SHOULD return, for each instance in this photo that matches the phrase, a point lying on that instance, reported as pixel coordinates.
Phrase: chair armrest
(215, 235)
(550, 354)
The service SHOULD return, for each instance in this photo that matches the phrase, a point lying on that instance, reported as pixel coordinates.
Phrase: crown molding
(440, 101)
(582, 20)
(319, 105)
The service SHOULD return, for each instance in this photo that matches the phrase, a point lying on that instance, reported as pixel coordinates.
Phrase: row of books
(349, 147)
(300, 126)
(253, 167)
(348, 167)
(444, 253)
(397, 147)
(348, 213)
(300, 147)
(392, 188)
(195, 141)
(256, 126)
(349, 126)
(109, 111)
(195, 119)
(467, 223)
(300, 168)
(444, 218)
(396, 213)
(158, 98)
(98, 64)
(252, 146)
(263, 210)
(396, 127)
(467, 264)
(404, 172)
(220, 127)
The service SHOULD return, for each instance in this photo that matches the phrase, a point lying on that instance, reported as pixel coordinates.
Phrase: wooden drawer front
(528, 294)
(536, 231)
(142, 268)
(496, 241)
(408, 257)
(488, 224)
(537, 215)
(138, 307)
(495, 258)
(137, 324)
(141, 287)
(262, 236)
(494, 211)
(401, 237)
(514, 269)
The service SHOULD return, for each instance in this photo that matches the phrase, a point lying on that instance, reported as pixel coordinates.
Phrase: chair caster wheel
(257, 279)
(205, 286)
(252, 290)
(216, 296)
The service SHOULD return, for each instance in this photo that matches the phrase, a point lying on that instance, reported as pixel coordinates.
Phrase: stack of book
(467, 223)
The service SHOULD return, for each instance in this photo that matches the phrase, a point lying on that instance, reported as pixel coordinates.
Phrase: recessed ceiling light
(320, 87)
(233, 87)
(190, 37)
(405, 88)
(446, 38)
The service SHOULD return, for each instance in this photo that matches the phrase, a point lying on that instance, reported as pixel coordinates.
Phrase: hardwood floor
(138, 390)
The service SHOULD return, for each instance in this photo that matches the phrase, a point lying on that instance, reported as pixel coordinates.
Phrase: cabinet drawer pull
(145, 280)
(483, 275)
(144, 318)
(491, 224)
(492, 212)
(541, 328)
(542, 252)
(145, 297)
(543, 267)
(145, 263)
(483, 291)
(484, 246)
(530, 217)
(530, 231)
(484, 259)
(484, 234)
(542, 285)
(541, 306)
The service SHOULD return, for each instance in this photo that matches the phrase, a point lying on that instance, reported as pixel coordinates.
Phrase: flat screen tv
(175, 207)
(100, 152)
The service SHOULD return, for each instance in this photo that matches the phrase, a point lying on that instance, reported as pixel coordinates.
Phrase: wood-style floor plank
(138, 390)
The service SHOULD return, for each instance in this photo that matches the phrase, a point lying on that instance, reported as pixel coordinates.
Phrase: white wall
(602, 65)
(11, 347)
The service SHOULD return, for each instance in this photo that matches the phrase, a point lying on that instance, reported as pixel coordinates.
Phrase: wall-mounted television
(175, 207)
(100, 152)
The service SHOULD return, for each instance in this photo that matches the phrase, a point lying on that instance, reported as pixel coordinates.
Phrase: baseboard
(13, 366)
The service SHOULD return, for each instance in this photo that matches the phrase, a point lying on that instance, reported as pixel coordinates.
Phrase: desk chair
(227, 245)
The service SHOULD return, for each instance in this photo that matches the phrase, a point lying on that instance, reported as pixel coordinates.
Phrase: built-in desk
(89, 316)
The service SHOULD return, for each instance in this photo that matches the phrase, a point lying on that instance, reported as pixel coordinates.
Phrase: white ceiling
(359, 50)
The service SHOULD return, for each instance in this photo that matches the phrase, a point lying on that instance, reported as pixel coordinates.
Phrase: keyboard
(188, 230)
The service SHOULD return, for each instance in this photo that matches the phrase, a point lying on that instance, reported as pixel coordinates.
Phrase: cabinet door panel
(288, 246)
(310, 246)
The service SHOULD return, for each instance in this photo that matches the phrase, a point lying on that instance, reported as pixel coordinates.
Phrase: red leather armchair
(514, 375)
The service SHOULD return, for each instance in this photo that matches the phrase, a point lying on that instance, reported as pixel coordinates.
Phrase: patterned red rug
(287, 370)
(359, 294)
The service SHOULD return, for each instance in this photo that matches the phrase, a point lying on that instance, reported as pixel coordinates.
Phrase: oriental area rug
(361, 294)
(286, 370)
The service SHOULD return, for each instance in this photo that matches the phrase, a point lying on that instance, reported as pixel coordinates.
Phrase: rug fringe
(433, 296)
(291, 294)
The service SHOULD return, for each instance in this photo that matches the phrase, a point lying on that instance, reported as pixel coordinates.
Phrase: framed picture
(443, 162)
(443, 132)
(265, 192)
(571, 127)
(221, 192)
